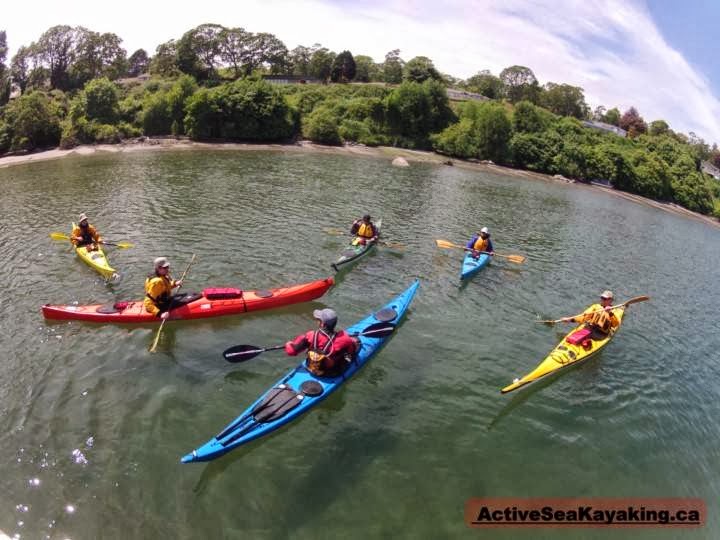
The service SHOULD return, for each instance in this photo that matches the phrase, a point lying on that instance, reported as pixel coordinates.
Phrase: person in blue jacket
(481, 242)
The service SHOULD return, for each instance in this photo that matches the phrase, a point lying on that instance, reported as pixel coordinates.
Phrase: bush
(321, 126)
(32, 121)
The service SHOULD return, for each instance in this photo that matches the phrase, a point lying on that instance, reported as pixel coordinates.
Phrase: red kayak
(209, 303)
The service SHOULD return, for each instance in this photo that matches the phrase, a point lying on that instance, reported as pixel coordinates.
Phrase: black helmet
(366, 217)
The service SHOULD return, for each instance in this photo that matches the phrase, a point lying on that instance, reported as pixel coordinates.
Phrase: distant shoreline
(353, 149)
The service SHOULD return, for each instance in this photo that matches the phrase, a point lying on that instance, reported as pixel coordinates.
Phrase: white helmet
(485, 230)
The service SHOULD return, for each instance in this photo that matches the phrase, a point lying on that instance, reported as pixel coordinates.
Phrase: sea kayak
(97, 260)
(299, 390)
(472, 266)
(356, 250)
(566, 354)
(209, 303)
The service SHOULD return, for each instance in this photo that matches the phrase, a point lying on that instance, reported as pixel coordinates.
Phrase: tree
(198, 51)
(165, 61)
(393, 67)
(612, 117)
(299, 59)
(234, 48)
(415, 110)
(138, 63)
(527, 118)
(321, 63)
(520, 83)
(420, 69)
(4, 72)
(20, 67)
(633, 123)
(266, 50)
(56, 50)
(343, 68)
(101, 101)
(658, 127)
(365, 69)
(565, 100)
(34, 121)
(486, 84)
(97, 55)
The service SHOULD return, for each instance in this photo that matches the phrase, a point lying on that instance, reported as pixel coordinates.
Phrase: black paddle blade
(378, 330)
(240, 353)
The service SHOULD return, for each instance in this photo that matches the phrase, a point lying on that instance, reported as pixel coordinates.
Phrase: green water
(92, 426)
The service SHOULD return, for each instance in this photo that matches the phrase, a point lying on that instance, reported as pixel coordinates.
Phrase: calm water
(92, 426)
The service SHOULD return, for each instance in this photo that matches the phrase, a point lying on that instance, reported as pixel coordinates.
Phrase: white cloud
(611, 48)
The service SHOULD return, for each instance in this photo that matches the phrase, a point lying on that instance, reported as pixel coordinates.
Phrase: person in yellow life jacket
(598, 317)
(365, 230)
(481, 242)
(158, 289)
(85, 234)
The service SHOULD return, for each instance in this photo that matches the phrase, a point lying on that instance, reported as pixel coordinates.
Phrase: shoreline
(418, 156)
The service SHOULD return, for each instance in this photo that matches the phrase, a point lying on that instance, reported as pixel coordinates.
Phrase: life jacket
(481, 244)
(366, 230)
(88, 235)
(162, 300)
(318, 358)
(600, 319)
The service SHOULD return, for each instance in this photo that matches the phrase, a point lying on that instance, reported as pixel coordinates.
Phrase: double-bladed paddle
(631, 301)
(241, 353)
(121, 245)
(395, 245)
(519, 259)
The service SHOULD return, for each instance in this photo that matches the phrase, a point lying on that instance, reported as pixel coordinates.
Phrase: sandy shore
(356, 149)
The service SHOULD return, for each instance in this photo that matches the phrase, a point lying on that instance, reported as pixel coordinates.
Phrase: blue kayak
(300, 390)
(472, 266)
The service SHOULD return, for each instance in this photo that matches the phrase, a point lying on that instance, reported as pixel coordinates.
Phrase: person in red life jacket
(598, 317)
(365, 230)
(481, 242)
(328, 352)
(85, 234)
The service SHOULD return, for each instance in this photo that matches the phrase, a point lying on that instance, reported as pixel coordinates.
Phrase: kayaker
(365, 230)
(158, 289)
(481, 242)
(598, 317)
(328, 352)
(85, 234)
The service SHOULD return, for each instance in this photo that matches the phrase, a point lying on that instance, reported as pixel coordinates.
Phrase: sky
(656, 55)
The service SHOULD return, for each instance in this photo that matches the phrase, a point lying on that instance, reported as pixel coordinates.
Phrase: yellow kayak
(96, 259)
(566, 354)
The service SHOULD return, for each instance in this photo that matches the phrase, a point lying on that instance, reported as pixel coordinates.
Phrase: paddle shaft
(631, 301)
(446, 244)
(63, 236)
(252, 353)
(162, 324)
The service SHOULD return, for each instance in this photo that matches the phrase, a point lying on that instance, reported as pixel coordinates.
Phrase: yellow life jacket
(157, 293)
(600, 319)
(365, 230)
(480, 244)
(318, 358)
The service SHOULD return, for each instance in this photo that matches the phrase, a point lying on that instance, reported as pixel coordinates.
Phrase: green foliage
(241, 110)
(612, 117)
(392, 68)
(520, 84)
(486, 84)
(101, 101)
(565, 100)
(343, 68)
(138, 63)
(658, 127)
(321, 63)
(321, 126)
(366, 70)
(417, 110)
(483, 132)
(527, 118)
(420, 69)
(32, 121)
